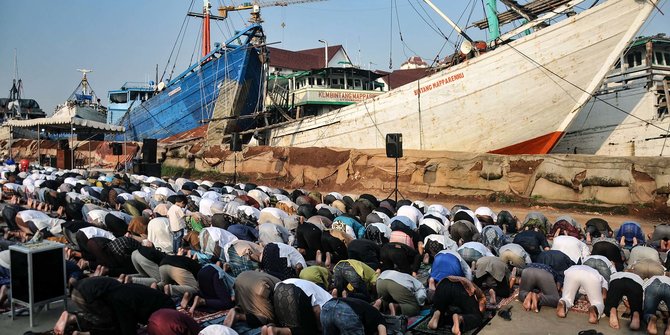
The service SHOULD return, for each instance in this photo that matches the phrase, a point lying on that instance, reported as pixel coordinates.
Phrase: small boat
(83, 103)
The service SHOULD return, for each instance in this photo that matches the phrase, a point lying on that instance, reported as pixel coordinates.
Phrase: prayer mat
(205, 319)
(581, 305)
(422, 327)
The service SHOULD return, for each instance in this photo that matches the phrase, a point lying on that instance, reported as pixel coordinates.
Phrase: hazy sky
(123, 40)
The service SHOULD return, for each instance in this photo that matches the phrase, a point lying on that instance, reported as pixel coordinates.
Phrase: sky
(123, 40)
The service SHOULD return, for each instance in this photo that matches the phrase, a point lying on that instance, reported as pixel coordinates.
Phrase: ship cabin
(645, 63)
(314, 92)
(122, 100)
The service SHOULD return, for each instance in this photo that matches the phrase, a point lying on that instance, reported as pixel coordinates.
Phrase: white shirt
(217, 330)
(317, 295)
(205, 206)
(97, 216)
(176, 217)
(571, 246)
(92, 232)
(158, 232)
(293, 257)
(411, 212)
(630, 275)
(583, 270)
(383, 228)
(433, 224)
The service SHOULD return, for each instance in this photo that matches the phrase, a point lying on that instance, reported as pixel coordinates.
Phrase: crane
(254, 6)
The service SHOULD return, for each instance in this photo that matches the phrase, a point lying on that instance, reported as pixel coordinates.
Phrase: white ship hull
(603, 128)
(519, 98)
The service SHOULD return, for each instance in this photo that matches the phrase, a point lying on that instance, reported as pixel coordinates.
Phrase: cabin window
(658, 58)
(134, 95)
(350, 83)
(311, 81)
(634, 59)
(357, 83)
(319, 81)
(667, 58)
(118, 98)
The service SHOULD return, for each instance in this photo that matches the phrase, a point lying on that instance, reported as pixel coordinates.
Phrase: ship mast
(206, 47)
(84, 80)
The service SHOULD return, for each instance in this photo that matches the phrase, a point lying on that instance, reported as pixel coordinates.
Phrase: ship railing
(648, 76)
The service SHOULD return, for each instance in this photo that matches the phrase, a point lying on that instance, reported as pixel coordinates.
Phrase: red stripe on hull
(538, 145)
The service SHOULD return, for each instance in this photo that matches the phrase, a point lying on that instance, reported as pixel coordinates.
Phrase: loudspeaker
(394, 145)
(117, 149)
(151, 169)
(37, 272)
(63, 144)
(235, 142)
(149, 148)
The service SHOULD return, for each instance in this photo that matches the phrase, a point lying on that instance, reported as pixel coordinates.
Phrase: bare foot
(154, 285)
(391, 309)
(327, 262)
(334, 293)
(456, 328)
(344, 293)
(185, 300)
(377, 304)
(527, 301)
(431, 284)
(651, 326)
(614, 318)
(426, 258)
(122, 278)
(593, 315)
(318, 258)
(561, 311)
(635, 321)
(434, 321)
(167, 290)
(64, 319)
(230, 318)
(197, 301)
(492, 297)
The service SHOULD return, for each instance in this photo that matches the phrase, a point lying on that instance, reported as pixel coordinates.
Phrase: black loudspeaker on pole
(394, 150)
(117, 149)
(149, 149)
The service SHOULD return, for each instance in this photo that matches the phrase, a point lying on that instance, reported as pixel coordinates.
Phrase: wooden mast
(206, 45)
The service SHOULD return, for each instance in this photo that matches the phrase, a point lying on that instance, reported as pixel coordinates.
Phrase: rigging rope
(184, 22)
(647, 123)
(391, 39)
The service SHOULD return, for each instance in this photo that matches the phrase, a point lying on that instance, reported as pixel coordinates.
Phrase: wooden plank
(534, 8)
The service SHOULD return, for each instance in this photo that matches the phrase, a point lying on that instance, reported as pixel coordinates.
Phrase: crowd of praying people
(150, 252)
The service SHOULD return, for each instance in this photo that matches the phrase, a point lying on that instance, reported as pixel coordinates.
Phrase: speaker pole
(396, 180)
(234, 168)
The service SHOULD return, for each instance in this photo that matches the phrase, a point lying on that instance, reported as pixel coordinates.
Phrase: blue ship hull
(189, 100)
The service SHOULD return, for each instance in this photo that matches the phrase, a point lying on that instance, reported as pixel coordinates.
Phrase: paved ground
(44, 320)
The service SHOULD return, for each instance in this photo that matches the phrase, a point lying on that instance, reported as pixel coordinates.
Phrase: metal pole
(396, 179)
(71, 145)
(39, 162)
(234, 168)
(9, 146)
(125, 166)
(451, 23)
